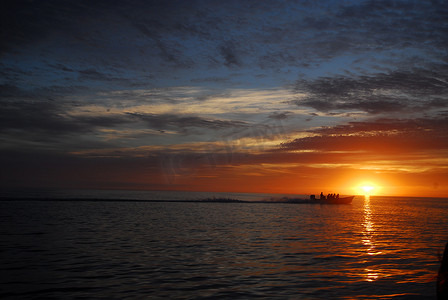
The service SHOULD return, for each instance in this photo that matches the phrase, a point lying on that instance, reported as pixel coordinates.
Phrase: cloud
(229, 53)
(381, 136)
(181, 122)
(56, 116)
(92, 74)
(168, 50)
(194, 100)
(49, 118)
(280, 115)
(32, 22)
(385, 126)
(46, 111)
(415, 90)
(176, 36)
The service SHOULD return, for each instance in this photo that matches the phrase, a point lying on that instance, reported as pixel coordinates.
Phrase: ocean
(374, 248)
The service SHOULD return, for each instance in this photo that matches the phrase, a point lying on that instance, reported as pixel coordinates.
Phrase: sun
(367, 188)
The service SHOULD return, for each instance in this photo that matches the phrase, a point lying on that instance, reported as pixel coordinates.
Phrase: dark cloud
(211, 79)
(180, 122)
(280, 115)
(405, 22)
(213, 96)
(372, 29)
(33, 21)
(183, 34)
(92, 74)
(370, 144)
(380, 136)
(386, 126)
(45, 111)
(381, 25)
(169, 51)
(40, 115)
(48, 117)
(61, 67)
(229, 53)
(274, 60)
(415, 90)
(9, 90)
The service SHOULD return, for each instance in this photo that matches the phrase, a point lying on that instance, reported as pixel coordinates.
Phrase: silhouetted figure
(442, 278)
(322, 197)
(337, 196)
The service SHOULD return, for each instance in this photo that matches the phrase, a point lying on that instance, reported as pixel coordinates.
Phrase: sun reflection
(368, 227)
(371, 275)
(368, 238)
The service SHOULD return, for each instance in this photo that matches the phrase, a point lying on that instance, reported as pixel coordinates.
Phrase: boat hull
(343, 200)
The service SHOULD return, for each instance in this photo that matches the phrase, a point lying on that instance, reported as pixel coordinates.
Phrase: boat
(331, 199)
(343, 200)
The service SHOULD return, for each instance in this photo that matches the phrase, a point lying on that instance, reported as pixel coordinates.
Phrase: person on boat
(322, 197)
(337, 196)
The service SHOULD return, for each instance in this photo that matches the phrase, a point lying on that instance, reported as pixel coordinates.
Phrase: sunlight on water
(368, 239)
(369, 230)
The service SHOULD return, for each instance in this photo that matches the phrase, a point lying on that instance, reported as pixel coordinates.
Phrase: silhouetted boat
(332, 199)
(343, 200)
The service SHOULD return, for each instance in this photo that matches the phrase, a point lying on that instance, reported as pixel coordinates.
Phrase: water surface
(378, 248)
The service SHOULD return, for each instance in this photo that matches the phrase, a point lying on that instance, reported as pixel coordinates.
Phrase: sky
(225, 96)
